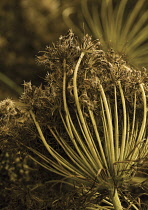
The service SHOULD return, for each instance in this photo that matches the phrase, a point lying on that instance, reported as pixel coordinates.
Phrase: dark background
(27, 27)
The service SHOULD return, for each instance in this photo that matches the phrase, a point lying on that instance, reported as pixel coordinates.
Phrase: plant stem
(10, 83)
(115, 200)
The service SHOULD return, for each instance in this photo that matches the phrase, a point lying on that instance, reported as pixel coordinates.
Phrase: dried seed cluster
(96, 67)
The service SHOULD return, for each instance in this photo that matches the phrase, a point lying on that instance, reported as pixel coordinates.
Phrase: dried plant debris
(96, 67)
(12, 120)
(18, 132)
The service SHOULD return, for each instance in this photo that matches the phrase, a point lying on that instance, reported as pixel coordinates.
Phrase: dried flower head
(7, 108)
(97, 67)
(84, 123)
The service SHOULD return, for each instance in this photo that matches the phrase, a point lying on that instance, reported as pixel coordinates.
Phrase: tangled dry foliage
(97, 67)
(18, 131)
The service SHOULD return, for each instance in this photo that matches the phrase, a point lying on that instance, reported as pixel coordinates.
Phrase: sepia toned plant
(88, 123)
(91, 107)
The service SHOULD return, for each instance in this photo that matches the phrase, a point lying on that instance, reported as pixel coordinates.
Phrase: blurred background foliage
(28, 26)
(121, 25)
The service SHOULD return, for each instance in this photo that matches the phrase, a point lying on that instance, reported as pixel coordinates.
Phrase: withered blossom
(97, 67)
(88, 122)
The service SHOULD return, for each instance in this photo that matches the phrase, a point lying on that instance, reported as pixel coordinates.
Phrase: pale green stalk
(115, 199)
(109, 128)
(82, 121)
(93, 157)
(116, 127)
(124, 132)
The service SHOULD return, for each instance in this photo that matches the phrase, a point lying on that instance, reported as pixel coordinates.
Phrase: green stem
(115, 200)
(10, 83)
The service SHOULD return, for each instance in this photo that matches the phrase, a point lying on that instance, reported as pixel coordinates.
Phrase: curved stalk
(115, 199)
